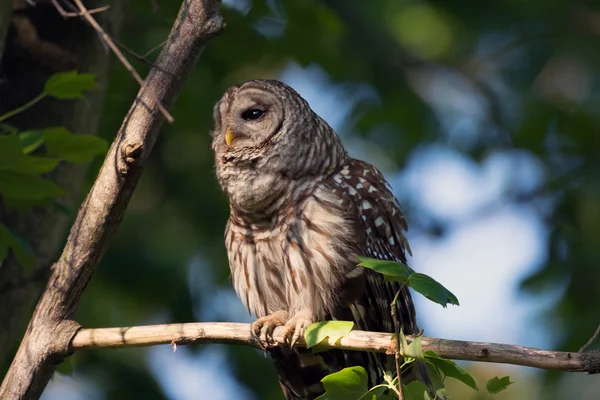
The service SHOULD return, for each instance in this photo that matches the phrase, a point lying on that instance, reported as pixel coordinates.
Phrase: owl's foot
(295, 327)
(263, 327)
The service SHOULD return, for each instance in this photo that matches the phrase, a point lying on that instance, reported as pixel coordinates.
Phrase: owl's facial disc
(252, 117)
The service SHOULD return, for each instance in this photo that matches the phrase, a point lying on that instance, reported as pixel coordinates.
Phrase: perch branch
(46, 341)
(240, 334)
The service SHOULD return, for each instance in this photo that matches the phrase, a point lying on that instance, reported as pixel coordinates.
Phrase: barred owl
(301, 210)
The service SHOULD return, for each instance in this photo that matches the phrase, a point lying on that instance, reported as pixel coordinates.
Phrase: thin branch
(142, 58)
(51, 329)
(66, 14)
(592, 340)
(240, 334)
(85, 14)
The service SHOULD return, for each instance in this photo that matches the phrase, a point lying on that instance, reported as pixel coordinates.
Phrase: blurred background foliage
(518, 78)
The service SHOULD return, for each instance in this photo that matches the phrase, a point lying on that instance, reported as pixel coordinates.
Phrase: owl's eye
(252, 115)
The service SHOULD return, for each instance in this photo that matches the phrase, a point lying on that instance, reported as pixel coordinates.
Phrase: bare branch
(240, 334)
(50, 330)
(66, 14)
(592, 340)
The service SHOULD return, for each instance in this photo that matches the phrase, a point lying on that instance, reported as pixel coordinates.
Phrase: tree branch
(50, 330)
(240, 334)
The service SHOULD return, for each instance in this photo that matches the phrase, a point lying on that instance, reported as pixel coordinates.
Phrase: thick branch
(50, 331)
(236, 333)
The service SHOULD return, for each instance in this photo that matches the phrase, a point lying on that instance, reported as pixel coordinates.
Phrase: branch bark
(50, 330)
(240, 334)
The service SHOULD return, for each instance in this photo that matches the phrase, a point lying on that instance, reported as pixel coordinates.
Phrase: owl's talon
(295, 328)
(263, 328)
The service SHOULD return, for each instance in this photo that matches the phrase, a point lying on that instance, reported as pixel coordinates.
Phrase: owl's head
(266, 136)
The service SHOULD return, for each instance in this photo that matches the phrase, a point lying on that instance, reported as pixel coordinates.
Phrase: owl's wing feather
(379, 227)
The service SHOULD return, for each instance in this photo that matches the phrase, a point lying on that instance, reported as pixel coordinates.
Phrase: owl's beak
(229, 136)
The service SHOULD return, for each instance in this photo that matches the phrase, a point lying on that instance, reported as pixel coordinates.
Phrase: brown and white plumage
(301, 211)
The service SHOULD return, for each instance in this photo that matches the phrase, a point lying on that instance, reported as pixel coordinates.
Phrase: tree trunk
(38, 43)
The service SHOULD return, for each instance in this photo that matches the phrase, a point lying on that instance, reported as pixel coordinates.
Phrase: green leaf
(7, 129)
(21, 249)
(69, 85)
(413, 349)
(496, 384)
(25, 205)
(449, 368)
(24, 186)
(73, 148)
(437, 381)
(421, 283)
(349, 384)
(12, 158)
(319, 331)
(11, 153)
(391, 270)
(432, 289)
(31, 140)
(416, 390)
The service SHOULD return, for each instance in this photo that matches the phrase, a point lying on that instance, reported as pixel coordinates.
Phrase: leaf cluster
(352, 383)
(27, 156)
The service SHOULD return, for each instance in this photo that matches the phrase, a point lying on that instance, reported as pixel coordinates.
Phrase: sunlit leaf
(496, 384)
(349, 384)
(413, 349)
(319, 331)
(69, 85)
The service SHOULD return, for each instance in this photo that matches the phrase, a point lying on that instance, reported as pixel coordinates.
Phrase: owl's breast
(299, 263)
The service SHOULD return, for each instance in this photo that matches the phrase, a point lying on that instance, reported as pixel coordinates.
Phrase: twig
(378, 342)
(142, 58)
(592, 340)
(85, 14)
(66, 14)
(397, 352)
(152, 50)
(50, 331)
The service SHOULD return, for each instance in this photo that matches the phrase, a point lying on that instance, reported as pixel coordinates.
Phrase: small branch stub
(131, 155)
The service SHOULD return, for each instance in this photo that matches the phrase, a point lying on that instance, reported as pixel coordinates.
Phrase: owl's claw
(295, 327)
(263, 327)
